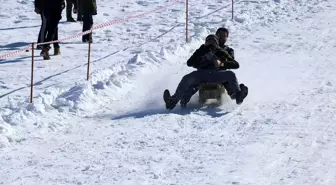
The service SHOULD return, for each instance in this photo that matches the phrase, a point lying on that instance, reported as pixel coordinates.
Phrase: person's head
(222, 34)
(211, 40)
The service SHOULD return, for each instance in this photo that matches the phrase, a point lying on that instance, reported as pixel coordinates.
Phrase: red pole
(232, 9)
(186, 20)
(32, 75)
(88, 68)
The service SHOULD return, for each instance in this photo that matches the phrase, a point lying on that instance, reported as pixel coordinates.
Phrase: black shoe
(169, 100)
(241, 95)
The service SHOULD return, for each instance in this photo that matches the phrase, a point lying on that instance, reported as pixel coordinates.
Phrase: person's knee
(231, 73)
(189, 78)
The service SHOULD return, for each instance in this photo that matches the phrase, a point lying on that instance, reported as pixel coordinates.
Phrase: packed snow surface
(114, 129)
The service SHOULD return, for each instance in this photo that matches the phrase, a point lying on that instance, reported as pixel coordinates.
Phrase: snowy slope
(114, 129)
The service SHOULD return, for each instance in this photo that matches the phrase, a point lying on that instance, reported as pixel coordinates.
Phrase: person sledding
(209, 59)
(222, 35)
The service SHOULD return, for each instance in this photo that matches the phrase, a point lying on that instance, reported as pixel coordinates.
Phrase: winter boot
(241, 95)
(57, 51)
(45, 53)
(170, 101)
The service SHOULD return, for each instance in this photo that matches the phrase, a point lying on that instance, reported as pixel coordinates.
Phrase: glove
(218, 63)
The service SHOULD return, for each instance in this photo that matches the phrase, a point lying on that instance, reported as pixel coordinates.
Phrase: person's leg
(57, 50)
(87, 25)
(223, 77)
(42, 32)
(195, 78)
(79, 11)
(226, 87)
(90, 26)
(234, 89)
(187, 82)
(69, 5)
(187, 96)
(52, 24)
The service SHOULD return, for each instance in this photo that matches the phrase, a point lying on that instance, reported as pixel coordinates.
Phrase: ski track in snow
(114, 129)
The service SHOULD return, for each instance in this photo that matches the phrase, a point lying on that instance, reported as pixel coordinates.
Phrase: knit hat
(212, 37)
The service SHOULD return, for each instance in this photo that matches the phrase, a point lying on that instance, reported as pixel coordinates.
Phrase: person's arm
(231, 52)
(195, 59)
(228, 62)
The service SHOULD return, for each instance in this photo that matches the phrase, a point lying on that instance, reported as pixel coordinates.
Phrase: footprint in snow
(212, 7)
(142, 3)
(3, 87)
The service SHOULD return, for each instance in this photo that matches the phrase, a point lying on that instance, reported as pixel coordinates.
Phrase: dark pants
(87, 25)
(79, 11)
(45, 25)
(193, 79)
(52, 18)
(69, 6)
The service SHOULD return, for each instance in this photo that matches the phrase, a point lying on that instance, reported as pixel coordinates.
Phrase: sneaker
(169, 100)
(241, 95)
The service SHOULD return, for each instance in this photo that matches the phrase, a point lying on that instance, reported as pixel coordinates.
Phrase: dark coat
(202, 59)
(229, 50)
(88, 7)
(55, 5)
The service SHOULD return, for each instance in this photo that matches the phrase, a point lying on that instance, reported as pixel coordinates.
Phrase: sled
(210, 91)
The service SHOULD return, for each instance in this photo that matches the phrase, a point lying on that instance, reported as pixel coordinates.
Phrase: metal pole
(32, 75)
(232, 9)
(88, 66)
(186, 20)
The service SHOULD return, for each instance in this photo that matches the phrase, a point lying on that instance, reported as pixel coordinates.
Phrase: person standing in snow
(79, 11)
(88, 8)
(51, 11)
(222, 35)
(69, 5)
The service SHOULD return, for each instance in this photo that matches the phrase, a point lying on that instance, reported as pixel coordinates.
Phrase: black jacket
(49, 4)
(200, 59)
(229, 50)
